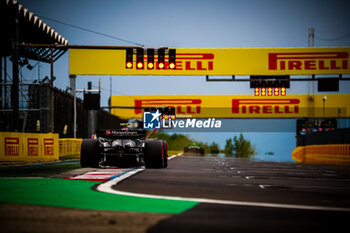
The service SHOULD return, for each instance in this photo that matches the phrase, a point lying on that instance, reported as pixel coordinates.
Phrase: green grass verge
(173, 152)
(78, 194)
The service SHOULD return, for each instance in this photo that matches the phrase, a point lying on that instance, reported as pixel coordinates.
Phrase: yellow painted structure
(29, 147)
(329, 154)
(69, 146)
(236, 106)
(225, 61)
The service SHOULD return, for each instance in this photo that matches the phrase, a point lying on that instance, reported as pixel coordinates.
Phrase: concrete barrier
(70, 146)
(31, 147)
(329, 154)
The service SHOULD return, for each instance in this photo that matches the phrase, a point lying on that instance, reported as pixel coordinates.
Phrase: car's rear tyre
(201, 151)
(89, 153)
(165, 153)
(186, 149)
(154, 155)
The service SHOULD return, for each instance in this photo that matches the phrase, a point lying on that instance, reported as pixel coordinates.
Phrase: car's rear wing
(122, 134)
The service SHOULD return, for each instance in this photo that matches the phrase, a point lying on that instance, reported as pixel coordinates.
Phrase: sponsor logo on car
(121, 133)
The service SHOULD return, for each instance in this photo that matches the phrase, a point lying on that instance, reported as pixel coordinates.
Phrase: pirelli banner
(240, 61)
(29, 147)
(235, 106)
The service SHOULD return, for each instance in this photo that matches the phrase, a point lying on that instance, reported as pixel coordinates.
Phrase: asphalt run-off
(206, 194)
(247, 196)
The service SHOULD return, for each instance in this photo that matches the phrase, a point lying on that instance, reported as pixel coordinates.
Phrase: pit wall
(329, 154)
(36, 147)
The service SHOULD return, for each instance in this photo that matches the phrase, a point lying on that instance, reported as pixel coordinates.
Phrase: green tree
(179, 141)
(228, 147)
(239, 147)
(212, 147)
(243, 147)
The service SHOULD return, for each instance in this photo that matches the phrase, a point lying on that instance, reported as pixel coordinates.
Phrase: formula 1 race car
(194, 149)
(123, 148)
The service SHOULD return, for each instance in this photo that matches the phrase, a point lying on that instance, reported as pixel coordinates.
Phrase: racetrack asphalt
(265, 196)
(209, 194)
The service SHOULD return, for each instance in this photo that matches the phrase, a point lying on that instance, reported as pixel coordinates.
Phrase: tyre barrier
(329, 154)
(29, 147)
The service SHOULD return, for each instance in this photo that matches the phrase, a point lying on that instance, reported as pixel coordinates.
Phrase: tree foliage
(235, 147)
(212, 147)
(239, 147)
(228, 147)
(177, 142)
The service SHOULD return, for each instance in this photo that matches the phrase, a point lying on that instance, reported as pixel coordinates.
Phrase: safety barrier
(70, 146)
(330, 154)
(29, 147)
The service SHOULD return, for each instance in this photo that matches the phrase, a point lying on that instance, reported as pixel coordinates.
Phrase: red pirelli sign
(265, 106)
(334, 61)
(48, 146)
(182, 106)
(234, 106)
(11, 146)
(33, 146)
(29, 147)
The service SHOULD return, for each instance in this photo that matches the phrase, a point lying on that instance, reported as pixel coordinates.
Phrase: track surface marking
(112, 187)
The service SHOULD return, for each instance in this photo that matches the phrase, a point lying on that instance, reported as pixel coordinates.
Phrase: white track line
(107, 188)
(174, 156)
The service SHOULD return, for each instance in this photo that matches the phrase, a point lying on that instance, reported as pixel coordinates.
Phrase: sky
(194, 24)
